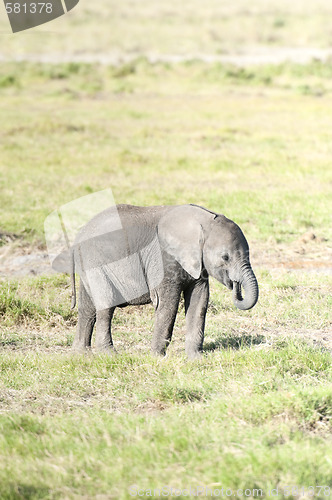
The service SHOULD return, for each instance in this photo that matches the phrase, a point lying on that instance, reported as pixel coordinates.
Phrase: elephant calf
(129, 255)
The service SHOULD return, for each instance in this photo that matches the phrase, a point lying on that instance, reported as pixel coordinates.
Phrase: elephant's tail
(72, 279)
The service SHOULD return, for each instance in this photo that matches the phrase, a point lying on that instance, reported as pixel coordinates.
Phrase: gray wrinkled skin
(159, 253)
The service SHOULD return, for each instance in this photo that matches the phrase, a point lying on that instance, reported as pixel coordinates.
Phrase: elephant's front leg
(196, 299)
(104, 342)
(86, 321)
(168, 298)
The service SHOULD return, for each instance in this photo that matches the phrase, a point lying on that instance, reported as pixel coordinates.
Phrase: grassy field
(133, 27)
(254, 144)
(256, 411)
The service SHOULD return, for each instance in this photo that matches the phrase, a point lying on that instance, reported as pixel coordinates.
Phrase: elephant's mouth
(244, 287)
(250, 297)
(229, 284)
(236, 287)
(237, 294)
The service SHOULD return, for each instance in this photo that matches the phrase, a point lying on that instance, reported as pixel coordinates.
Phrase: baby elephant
(129, 255)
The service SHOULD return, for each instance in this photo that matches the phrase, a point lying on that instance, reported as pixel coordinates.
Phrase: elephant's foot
(159, 353)
(159, 347)
(109, 349)
(192, 355)
(80, 349)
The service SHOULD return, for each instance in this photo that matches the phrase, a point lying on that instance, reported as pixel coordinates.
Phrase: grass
(34, 299)
(252, 143)
(225, 140)
(255, 412)
(289, 304)
(100, 424)
(133, 28)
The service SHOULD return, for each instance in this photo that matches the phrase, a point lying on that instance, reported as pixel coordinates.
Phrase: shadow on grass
(11, 340)
(21, 491)
(234, 342)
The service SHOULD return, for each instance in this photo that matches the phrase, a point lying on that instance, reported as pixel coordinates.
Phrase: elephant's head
(202, 241)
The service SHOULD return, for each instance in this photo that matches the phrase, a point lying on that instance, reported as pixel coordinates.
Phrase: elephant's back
(145, 216)
(123, 217)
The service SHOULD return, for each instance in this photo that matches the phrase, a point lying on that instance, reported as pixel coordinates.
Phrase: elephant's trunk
(250, 286)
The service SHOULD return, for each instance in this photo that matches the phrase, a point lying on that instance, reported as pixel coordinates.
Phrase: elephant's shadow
(234, 342)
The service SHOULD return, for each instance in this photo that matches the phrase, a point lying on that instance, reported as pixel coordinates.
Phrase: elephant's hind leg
(104, 342)
(86, 321)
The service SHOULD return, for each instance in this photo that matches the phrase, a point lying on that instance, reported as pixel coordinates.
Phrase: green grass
(251, 143)
(34, 299)
(100, 424)
(257, 151)
(255, 412)
(288, 304)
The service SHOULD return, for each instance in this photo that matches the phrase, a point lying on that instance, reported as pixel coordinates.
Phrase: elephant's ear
(180, 234)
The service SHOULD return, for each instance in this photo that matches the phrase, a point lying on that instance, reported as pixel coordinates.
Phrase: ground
(251, 142)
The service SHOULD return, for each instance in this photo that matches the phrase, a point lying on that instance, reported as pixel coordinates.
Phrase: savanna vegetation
(253, 143)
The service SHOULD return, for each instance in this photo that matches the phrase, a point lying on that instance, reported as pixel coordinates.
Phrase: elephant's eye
(225, 257)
